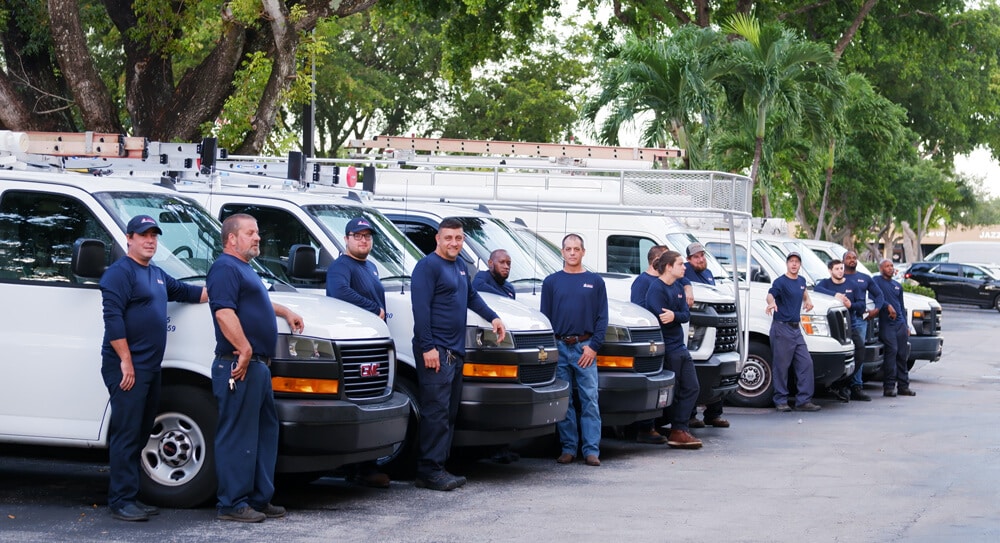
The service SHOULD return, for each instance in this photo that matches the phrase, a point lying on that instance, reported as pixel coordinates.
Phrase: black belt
(266, 360)
(573, 340)
(793, 324)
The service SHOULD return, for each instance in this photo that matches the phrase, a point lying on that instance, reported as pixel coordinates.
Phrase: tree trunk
(800, 210)
(820, 227)
(765, 202)
(911, 243)
(848, 35)
(88, 90)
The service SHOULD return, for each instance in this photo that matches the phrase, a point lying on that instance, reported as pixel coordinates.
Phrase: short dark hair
(450, 222)
(496, 253)
(654, 251)
(232, 224)
(568, 236)
(668, 258)
(833, 263)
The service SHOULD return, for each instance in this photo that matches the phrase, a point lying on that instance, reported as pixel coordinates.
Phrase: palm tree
(771, 68)
(662, 80)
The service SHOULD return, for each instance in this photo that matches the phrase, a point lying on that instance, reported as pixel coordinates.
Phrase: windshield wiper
(391, 277)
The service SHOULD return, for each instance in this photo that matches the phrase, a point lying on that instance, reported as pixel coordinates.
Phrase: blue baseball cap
(140, 224)
(358, 224)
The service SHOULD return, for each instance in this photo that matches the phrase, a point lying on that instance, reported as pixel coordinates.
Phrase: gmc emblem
(369, 370)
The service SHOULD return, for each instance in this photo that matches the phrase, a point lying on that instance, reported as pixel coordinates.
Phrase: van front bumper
(501, 413)
(628, 397)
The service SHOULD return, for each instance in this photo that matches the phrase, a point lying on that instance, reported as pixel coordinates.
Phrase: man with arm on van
(576, 302)
(353, 279)
(894, 334)
(864, 287)
(494, 280)
(246, 334)
(135, 292)
(785, 301)
(442, 294)
(667, 295)
(843, 290)
(696, 270)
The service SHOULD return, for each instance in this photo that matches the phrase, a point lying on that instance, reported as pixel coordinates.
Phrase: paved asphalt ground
(896, 469)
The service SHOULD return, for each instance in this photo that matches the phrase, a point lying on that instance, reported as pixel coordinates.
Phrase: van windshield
(484, 235)
(392, 252)
(191, 238)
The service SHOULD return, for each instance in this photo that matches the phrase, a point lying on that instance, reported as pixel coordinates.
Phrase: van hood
(329, 318)
(515, 315)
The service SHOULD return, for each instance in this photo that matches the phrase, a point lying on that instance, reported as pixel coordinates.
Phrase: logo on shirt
(461, 272)
(159, 281)
(588, 285)
(679, 296)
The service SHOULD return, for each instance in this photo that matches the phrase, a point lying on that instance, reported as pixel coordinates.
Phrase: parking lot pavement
(925, 468)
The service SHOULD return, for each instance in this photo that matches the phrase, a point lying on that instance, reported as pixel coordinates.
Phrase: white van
(826, 328)
(59, 231)
(510, 389)
(971, 252)
(926, 341)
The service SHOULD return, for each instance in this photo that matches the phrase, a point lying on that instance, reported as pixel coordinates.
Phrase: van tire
(756, 380)
(402, 463)
(178, 461)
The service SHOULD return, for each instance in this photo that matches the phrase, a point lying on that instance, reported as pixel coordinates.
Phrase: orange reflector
(305, 386)
(807, 324)
(496, 371)
(615, 361)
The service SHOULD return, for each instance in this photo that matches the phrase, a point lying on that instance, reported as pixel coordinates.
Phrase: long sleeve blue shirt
(663, 296)
(892, 292)
(233, 284)
(828, 287)
(441, 295)
(356, 282)
(864, 286)
(788, 296)
(640, 286)
(485, 282)
(135, 300)
(705, 276)
(576, 304)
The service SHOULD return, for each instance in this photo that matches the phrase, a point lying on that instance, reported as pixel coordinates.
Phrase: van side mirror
(88, 258)
(758, 275)
(302, 262)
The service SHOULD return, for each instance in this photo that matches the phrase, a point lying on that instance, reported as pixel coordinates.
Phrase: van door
(51, 327)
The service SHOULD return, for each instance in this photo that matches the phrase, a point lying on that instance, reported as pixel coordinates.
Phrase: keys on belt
(573, 340)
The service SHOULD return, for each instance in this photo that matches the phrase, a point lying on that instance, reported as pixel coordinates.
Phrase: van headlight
(815, 325)
(304, 348)
(486, 338)
(617, 334)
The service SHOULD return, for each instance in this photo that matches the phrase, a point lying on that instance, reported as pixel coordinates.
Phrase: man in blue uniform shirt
(667, 297)
(246, 334)
(785, 301)
(442, 293)
(894, 334)
(864, 288)
(135, 293)
(696, 270)
(576, 302)
(494, 279)
(646, 429)
(843, 291)
(353, 279)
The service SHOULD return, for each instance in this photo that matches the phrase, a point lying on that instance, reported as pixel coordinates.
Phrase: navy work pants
(789, 352)
(132, 414)
(246, 441)
(440, 395)
(686, 388)
(895, 366)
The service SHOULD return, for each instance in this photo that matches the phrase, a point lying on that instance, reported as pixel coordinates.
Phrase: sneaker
(442, 481)
(858, 394)
(565, 458)
(375, 479)
(651, 437)
(718, 422)
(808, 406)
(592, 460)
(273, 511)
(783, 408)
(695, 423)
(906, 392)
(680, 439)
(129, 512)
(889, 393)
(148, 509)
(243, 514)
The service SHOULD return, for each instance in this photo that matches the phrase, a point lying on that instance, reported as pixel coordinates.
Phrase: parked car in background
(977, 284)
(966, 251)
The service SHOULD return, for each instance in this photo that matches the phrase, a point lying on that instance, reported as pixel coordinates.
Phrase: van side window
(279, 230)
(422, 235)
(627, 254)
(948, 269)
(37, 233)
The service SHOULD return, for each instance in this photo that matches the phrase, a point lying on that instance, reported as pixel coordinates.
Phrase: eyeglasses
(359, 236)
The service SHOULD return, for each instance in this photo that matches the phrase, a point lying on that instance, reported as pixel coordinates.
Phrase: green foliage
(908, 286)
(238, 113)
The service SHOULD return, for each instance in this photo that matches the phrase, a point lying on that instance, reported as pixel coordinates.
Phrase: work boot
(858, 394)
(680, 439)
